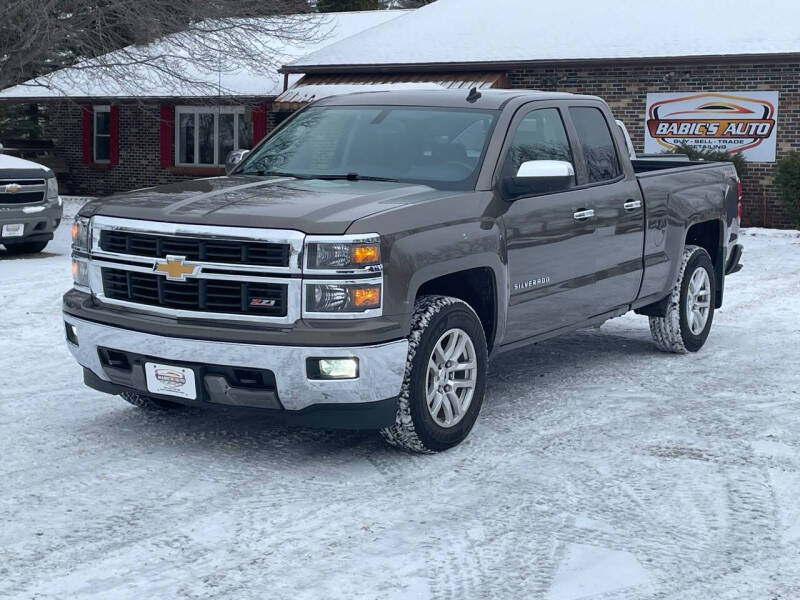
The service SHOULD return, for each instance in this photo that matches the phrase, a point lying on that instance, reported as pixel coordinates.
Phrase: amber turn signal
(74, 231)
(366, 297)
(369, 254)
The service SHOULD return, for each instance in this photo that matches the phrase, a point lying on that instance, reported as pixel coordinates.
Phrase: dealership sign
(732, 122)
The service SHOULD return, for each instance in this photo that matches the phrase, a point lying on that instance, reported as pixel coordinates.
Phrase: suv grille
(248, 297)
(22, 197)
(208, 250)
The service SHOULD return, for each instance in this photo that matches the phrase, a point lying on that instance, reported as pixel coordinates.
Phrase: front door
(550, 244)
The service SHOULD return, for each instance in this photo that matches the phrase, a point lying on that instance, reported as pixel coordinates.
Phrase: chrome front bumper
(381, 367)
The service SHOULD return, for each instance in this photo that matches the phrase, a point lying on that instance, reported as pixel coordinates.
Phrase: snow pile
(456, 31)
(312, 33)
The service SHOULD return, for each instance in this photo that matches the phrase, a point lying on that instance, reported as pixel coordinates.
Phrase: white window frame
(219, 161)
(102, 108)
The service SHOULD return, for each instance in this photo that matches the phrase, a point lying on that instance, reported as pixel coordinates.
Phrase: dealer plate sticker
(170, 380)
(13, 230)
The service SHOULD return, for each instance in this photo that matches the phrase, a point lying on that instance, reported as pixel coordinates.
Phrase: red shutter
(114, 141)
(86, 133)
(259, 123)
(165, 133)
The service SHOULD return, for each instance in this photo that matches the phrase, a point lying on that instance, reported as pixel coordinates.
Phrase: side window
(539, 136)
(602, 162)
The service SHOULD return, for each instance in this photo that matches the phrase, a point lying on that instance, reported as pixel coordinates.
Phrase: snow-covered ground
(599, 468)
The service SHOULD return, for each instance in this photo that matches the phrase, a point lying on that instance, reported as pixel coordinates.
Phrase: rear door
(618, 207)
(550, 247)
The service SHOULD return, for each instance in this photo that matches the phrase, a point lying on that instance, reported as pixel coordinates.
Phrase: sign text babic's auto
(732, 122)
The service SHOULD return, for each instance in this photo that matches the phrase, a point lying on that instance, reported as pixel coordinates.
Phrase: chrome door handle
(632, 205)
(582, 215)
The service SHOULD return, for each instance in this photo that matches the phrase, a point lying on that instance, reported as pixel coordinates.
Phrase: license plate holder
(13, 230)
(171, 380)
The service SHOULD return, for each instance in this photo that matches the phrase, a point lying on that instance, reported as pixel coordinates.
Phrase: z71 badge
(531, 283)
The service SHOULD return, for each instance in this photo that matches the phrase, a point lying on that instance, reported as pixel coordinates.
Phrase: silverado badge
(13, 188)
(176, 268)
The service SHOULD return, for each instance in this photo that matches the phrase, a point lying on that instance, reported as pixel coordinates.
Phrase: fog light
(72, 333)
(332, 368)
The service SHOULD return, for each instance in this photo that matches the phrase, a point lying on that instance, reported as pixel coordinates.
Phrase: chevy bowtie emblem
(176, 268)
(13, 188)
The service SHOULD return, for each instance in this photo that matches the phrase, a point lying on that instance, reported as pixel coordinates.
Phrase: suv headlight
(52, 189)
(343, 254)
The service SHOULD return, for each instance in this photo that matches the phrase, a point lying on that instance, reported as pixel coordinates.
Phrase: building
(117, 134)
(733, 67)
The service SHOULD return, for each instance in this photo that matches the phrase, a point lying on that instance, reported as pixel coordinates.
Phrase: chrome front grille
(196, 249)
(246, 297)
(22, 191)
(197, 271)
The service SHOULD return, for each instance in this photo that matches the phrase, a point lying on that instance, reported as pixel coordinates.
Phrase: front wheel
(690, 309)
(445, 377)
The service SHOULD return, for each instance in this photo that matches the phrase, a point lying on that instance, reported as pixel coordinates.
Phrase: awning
(314, 87)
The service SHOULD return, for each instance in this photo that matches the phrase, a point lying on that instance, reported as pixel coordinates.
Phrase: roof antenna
(474, 95)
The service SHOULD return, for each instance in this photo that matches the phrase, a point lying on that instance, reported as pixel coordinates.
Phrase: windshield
(439, 147)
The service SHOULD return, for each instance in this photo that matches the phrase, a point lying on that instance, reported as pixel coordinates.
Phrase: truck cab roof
(493, 99)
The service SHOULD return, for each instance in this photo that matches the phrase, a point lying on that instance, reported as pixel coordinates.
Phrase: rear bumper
(40, 221)
(381, 369)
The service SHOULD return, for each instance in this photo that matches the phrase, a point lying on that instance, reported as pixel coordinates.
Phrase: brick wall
(625, 87)
(139, 148)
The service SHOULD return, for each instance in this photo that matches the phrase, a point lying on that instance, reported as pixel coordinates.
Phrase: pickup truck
(361, 265)
(30, 207)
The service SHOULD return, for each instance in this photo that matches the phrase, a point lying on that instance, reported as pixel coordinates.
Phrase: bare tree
(157, 44)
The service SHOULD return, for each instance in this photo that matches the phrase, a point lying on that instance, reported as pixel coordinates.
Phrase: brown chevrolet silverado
(360, 266)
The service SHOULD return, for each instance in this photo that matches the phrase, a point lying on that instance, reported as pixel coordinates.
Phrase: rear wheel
(445, 379)
(690, 310)
(25, 247)
(148, 402)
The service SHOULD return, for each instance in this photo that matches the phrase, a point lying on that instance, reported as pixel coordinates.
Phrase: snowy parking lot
(599, 468)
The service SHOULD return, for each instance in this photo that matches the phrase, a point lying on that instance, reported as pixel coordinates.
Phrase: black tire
(148, 402)
(415, 428)
(672, 332)
(25, 247)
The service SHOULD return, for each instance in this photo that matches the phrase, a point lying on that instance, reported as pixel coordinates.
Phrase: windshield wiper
(354, 177)
(277, 174)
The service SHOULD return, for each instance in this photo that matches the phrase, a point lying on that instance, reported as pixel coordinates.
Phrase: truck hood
(312, 206)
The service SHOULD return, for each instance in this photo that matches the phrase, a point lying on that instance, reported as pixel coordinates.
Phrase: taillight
(740, 191)
(739, 212)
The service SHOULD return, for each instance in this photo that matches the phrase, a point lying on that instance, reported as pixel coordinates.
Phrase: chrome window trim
(293, 238)
(356, 238)
(370, 312)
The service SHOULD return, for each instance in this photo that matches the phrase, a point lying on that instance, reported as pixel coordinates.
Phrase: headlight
(344, 254)
(338, 300)
(52, 189)
(80, 273)
(80, 234)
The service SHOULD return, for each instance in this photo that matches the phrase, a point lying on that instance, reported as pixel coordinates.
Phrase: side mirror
(234, 158)
(540, 177)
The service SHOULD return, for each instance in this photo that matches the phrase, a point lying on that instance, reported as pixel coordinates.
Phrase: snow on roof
(463, 31)
(146, 81)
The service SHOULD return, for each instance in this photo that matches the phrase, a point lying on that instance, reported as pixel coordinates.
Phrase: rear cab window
(594, 136)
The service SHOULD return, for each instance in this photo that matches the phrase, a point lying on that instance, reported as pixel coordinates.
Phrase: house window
(101, 134)
(205, 135)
